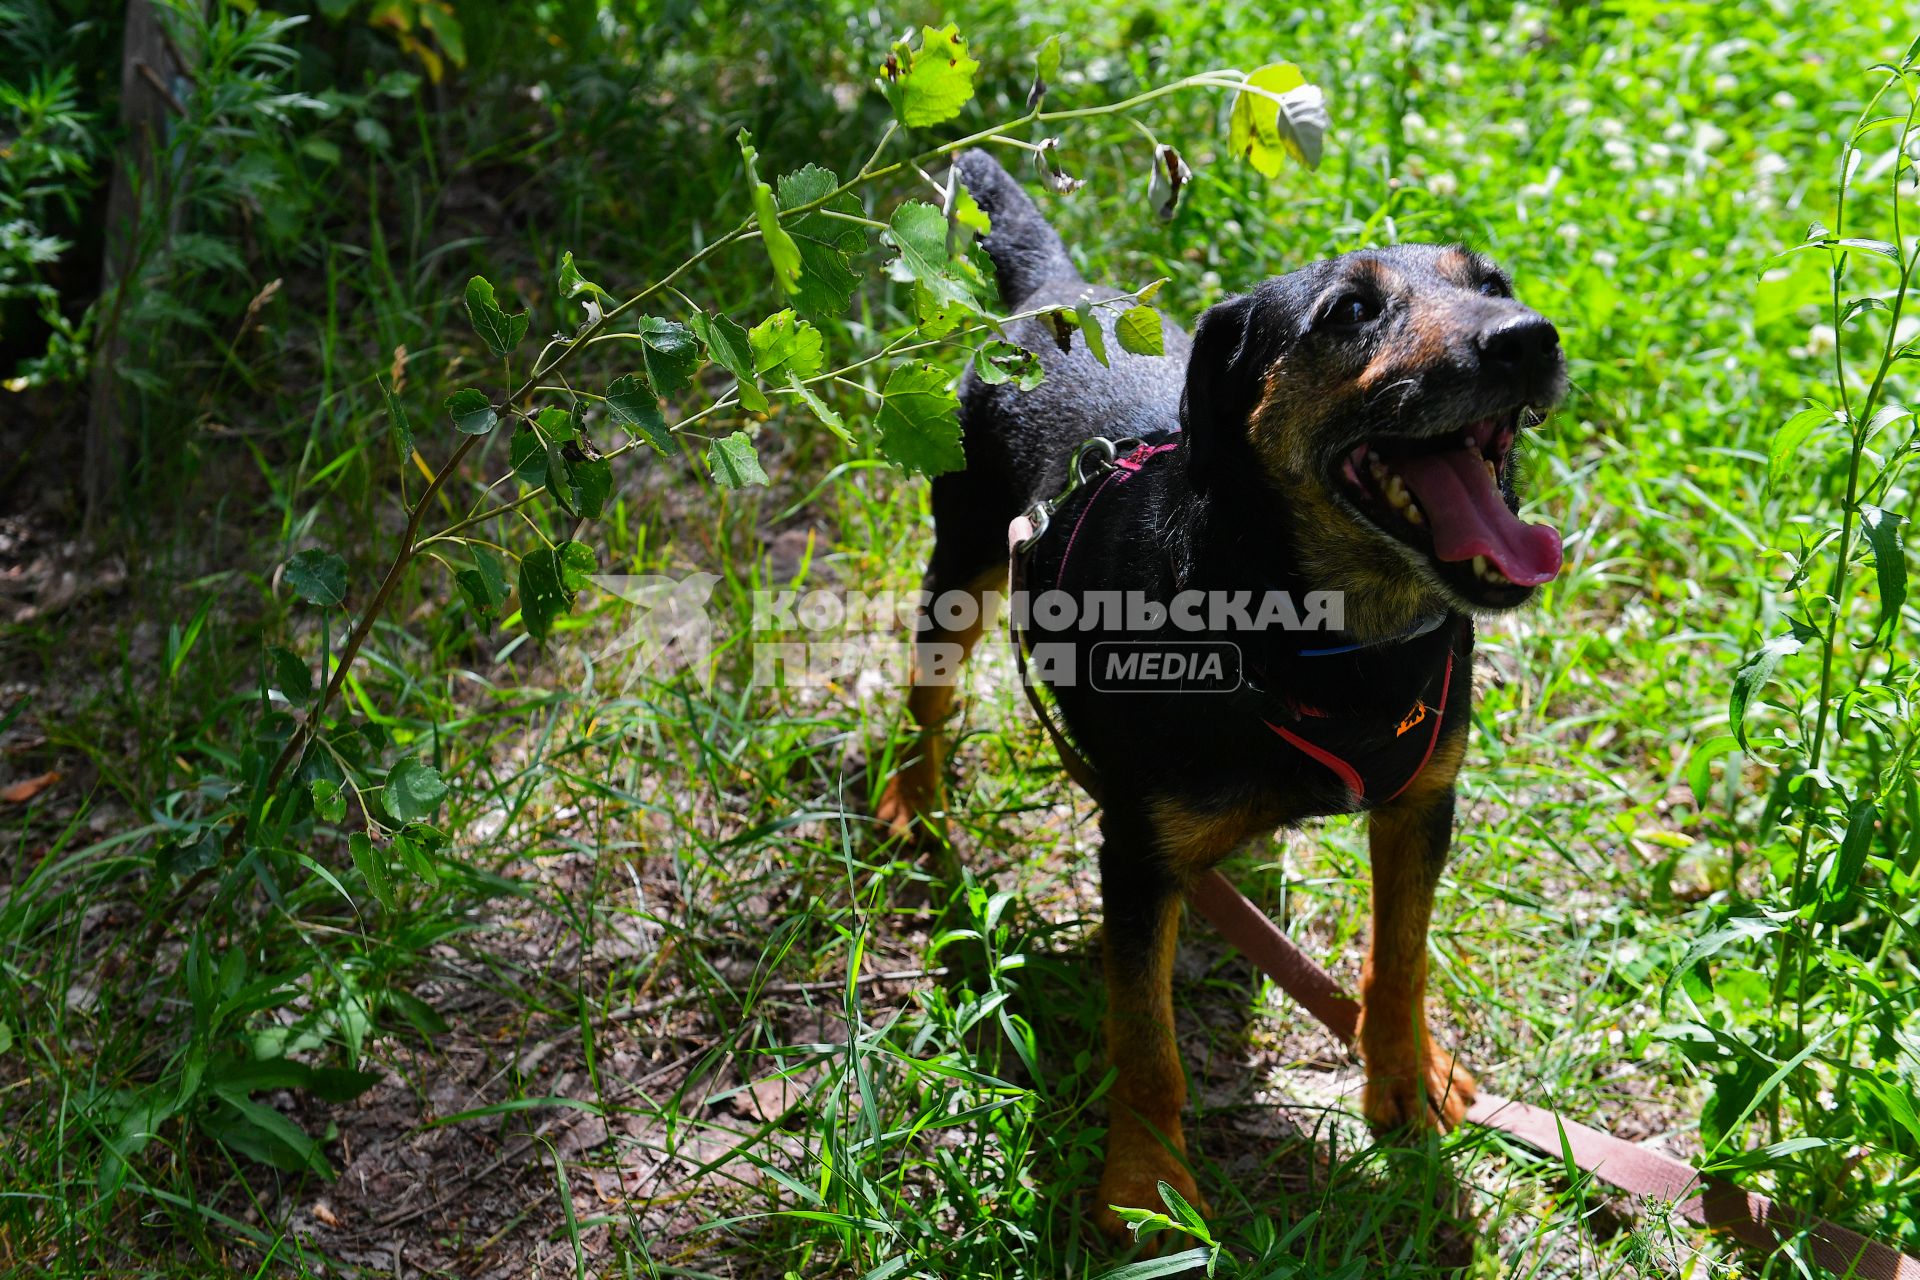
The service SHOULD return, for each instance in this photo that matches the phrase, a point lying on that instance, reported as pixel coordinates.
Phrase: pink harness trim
(1122, 467)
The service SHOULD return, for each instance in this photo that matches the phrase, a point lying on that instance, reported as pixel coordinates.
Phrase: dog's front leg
(1410, 1079)
(1145, 1145)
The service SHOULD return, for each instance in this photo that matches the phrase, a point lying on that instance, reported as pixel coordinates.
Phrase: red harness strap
(1350, 773)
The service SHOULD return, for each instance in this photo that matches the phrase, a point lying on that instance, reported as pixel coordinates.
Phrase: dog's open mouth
(1447, 497)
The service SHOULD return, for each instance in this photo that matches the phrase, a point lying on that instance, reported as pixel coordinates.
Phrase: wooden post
(152, 78)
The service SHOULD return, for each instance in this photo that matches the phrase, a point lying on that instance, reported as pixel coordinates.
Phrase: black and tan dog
(1347, 428)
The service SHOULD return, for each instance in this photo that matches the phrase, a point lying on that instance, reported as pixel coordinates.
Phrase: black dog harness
(1376, 757)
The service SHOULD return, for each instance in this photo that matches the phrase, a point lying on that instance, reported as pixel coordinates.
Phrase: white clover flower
(1770, 165)
(1725, 84)
(1604, 260)
(1821, 340)
(1577, 106)
(1444, 185)
(1413, 122)
(1608, 127)
(1569, 232)
(1675, 131)
(1783, 101)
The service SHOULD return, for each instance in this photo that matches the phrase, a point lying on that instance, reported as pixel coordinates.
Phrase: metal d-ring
(1091, 458)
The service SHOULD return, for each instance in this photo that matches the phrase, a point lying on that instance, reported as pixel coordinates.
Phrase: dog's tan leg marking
(916, 791)
(1145, 1143)
(1410, 1080)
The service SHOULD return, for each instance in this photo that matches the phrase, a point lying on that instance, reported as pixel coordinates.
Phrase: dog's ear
(1223, 385)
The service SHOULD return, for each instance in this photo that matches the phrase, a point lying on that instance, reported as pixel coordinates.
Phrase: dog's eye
(1350, 309)
(1495, 287)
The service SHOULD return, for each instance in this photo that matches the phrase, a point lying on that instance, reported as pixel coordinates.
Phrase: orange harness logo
(1414, 717)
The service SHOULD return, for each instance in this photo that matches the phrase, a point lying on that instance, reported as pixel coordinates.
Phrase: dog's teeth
(1378, 469)
(1492, 472)
(1413, 514)
(1485, 571)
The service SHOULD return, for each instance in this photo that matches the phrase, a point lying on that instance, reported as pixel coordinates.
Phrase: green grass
(656, 898)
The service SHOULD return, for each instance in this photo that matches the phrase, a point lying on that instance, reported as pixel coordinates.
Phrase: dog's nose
(1518, 344)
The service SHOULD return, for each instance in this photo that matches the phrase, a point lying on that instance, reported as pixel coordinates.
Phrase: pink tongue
(1470, 518)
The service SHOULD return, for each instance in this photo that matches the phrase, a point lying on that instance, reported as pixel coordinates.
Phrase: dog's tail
(1026, 252)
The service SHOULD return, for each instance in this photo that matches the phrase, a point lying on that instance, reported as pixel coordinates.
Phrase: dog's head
(1375, 401)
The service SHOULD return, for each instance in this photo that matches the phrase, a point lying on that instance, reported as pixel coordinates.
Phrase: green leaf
(1699, 764)
(1897, 1098)
(728, 346)
(1711, 943)
(289, 674)
(373, 867)
(318, 577)
(998, 361)
(734, 463)
(633, 404)
(1266, 131)
(785, 343)
(1046, 67)
(781, 250)
(577, 482)
(328, 801)
(550, 579)
(556, 423)
(572, 284)
(968, 213)
(260, 1133)
(472, 412)
(931, 84)
(1788, 439)
(1753, 676)
(501, 332)
(1090, 329)
(1185, 1214)
(919, 421)
(827, 279)
(1139, 332)
(413, 791)
(528, 456)
(1889, 562)
(821, 410)
(484, 585)
(397, 424)
(1843, 875)
(936, 317)
(919, 232)
(670, 353)
(1184, 1263)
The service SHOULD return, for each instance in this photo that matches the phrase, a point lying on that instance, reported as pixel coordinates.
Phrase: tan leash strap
(1637, 1170)
(1020, 535)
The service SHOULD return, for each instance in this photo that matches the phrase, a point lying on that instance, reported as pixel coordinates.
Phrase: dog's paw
(908, 806)
(1132, 1180)
(1436, 1097)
